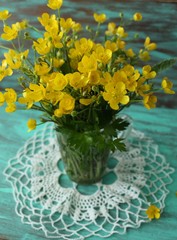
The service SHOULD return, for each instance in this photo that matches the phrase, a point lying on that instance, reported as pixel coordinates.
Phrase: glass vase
(84, 164)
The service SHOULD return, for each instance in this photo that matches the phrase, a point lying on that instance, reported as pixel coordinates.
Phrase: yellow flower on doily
(153, 212)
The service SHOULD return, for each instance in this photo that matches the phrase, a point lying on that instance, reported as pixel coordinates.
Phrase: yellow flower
(59, 81)
(4, 15)
(31, 124)
(42, 68)
(34, 93)
(4, 70)
(10, 33)
(144, 55)
(94, 78)
(130, 53)
(26, 99)
(82, 46)
(77, 27)
(48, 21)
(57, 63)
(106, 78)
(10, 95)
(42, 46)
(87, 64)
(86, 101)
(167, 85)
(37, 92)
(55, 4)
(54, 37)
(130, 78)
(153, 212)
(2, 99)
(150, 101)
(14, 59)
(66, 106)
(53, 96)
(111, 29)
(148, 45)
(137, 17)
(11, 107)
(77, 80)
(121, 32)
(120, 44)
(103, 55)
(66, 24)
(20, 25)
(115, 93)
(111, 45)
(99, 18)
(147, 73)
(142, 87)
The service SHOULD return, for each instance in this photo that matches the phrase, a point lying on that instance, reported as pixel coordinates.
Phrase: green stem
(35, 107)
(14, 46)
(35, 29)
(1, 46)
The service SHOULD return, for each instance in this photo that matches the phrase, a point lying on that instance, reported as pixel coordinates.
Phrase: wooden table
(160, 124)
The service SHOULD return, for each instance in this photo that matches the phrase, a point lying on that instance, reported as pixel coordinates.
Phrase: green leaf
(109, 130)
(119, 145)
(164, 65)
(120, 124)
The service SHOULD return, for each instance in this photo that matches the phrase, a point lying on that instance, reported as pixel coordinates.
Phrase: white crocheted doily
(47, 199)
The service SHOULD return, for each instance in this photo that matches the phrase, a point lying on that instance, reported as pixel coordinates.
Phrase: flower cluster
(77, 81)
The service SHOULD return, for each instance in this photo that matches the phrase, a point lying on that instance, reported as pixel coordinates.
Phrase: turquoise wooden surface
(160, 124)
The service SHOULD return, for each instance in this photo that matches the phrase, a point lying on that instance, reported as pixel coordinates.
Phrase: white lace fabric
(47, 199)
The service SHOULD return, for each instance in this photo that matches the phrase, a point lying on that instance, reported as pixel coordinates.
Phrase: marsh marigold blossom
(87, 64)
(77, 80)
(115, 94)
(100, 18)
(153, 212)
(4, 15)
(66, 106)
(137, 17)
(55, 4)
(31, 124)
(10, 97)
(48, 21)
(150, 101)
(2, 99)
(14, 59)
(167, 86)
(5, 70)
(150, 46)
(10, 33)
(42, 46)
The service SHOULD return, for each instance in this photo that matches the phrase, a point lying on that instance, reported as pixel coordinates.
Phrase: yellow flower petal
(137, 17)
(153, 212)
(31, 124)
(55, 4)
(86, 102)
(100, 18)
(4, 15)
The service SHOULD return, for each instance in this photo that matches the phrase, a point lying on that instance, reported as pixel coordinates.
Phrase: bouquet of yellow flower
(79, 83)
